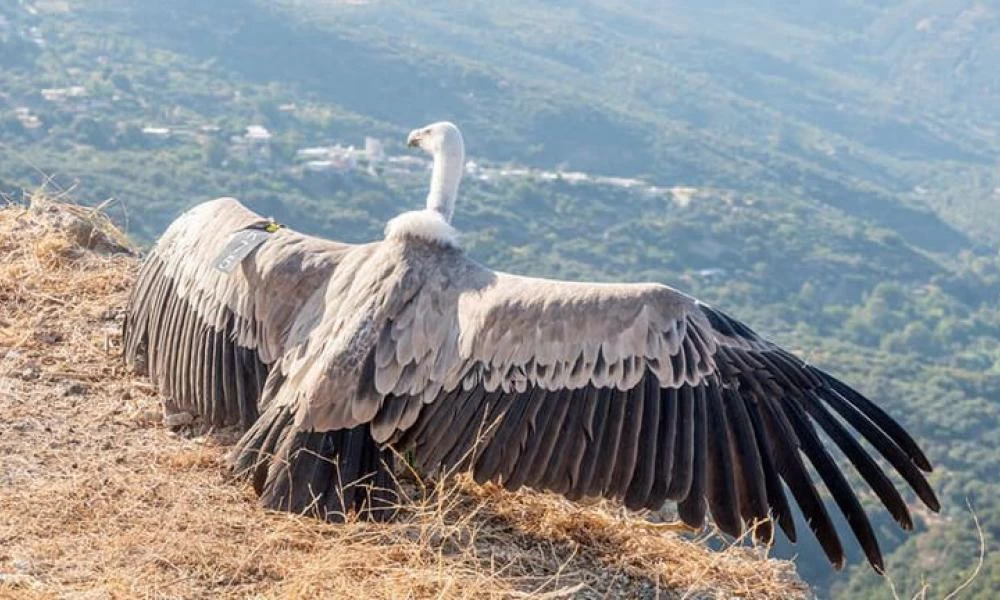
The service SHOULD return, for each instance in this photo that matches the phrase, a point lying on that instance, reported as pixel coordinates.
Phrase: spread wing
(634, 392)
(208, 338)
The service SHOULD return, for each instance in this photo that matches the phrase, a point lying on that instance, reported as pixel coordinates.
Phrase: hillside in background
(827, 171)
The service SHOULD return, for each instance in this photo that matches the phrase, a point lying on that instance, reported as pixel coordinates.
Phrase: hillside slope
(98, 496)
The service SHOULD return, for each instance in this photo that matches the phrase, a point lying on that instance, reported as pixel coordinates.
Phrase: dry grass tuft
(99, 500)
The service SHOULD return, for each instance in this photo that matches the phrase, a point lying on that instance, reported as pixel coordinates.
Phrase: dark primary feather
(880, 418)
(541, 466)
(537, 443)
(682, 465)
(628, 445)
(691, 509)
(480, 423)
(607, 454)
(665, 442)
(748, 467)
(722, 499)
(796, 476)
(867, 467)
(592, 443)
(494, 458)
(647, 447)
(566, 463)
(327, 474)
(842, 493)
(886, 447)
(779, 508)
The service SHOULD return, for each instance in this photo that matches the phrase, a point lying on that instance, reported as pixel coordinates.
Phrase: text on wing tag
(238, 248)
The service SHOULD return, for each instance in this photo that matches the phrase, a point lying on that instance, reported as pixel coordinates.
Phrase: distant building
(29, 121)
(258, 133)
(317, 153)
(160, 133)
(625, 182)
(61, 94)
(573, 176)
(318, 166)
(682, 195)
(54, 94)
(253, 146)
(514, 172)
(328, 166)
(344, 156)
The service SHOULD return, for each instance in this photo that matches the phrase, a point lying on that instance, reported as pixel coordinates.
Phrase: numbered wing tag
(238, 248)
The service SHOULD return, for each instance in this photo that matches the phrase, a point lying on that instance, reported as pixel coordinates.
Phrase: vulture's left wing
(636, 392)
(208, 337)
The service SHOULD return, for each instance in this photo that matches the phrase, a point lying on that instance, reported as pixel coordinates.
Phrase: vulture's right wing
(635, 392)
(208, 337)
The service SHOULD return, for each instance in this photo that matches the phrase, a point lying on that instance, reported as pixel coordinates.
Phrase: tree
(92, 132)
(213, 152)
(12, 126)
(122, 82)
(130, 136)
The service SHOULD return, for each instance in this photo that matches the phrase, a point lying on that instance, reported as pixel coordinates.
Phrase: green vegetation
(844, 158)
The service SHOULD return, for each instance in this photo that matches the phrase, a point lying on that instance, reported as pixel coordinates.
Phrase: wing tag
(238, 248)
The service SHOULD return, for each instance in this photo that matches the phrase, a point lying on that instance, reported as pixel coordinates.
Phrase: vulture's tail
(328, 474)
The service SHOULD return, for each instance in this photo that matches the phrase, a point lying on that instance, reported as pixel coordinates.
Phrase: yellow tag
(271, 227)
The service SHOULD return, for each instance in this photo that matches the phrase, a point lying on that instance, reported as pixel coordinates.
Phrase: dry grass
(99, 500)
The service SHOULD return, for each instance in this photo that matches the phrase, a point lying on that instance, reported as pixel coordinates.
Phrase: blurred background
(828, 171)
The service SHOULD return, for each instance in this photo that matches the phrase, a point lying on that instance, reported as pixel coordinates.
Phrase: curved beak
(413, 139)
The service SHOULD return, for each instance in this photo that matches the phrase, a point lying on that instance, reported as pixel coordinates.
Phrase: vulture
(334, 359)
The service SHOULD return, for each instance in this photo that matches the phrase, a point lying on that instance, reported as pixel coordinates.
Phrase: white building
(258, 133)
(61, 94)
(332, 165)
(161, 133)
(315, 153)
(318, 166)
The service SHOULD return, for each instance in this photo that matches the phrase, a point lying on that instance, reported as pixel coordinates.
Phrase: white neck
(449, 163)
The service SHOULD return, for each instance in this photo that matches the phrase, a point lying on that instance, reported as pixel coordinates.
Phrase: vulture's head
(438, 138)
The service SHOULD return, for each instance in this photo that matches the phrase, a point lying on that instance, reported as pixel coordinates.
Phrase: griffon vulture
(332, 356)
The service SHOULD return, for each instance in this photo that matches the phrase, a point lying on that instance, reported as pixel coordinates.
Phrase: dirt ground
(99, 500)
